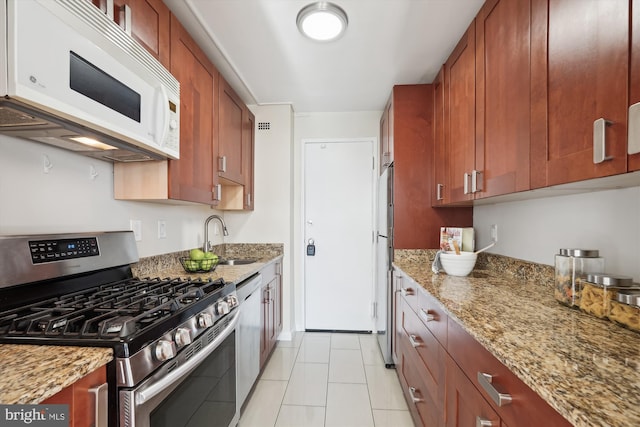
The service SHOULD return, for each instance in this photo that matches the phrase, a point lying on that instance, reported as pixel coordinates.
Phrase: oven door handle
(175, 375)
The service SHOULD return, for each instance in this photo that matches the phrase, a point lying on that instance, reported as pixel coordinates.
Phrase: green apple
(210, 255)
(196, 254)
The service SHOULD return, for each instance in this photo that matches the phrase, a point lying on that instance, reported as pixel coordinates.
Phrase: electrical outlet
(136, 226)
(162, 229)
(494, 232)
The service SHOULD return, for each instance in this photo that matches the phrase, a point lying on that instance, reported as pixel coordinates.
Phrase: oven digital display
(57, 250)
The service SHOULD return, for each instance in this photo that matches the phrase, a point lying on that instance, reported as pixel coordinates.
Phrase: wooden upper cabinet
(503, 102)
(634, 78)
(580, 74)
(440, 164)
(460, 116)
(194, 177)
(230, 126)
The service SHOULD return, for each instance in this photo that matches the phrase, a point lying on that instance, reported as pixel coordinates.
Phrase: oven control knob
(222, 307)
(205, 320)
(232, 300)
(182, 337)
(165, 350)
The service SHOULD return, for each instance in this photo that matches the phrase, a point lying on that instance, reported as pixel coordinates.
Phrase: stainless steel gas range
(173, 339)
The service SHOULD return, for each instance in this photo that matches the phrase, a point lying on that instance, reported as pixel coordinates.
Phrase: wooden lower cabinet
(82, 408)
(438, 364)
(271, 309)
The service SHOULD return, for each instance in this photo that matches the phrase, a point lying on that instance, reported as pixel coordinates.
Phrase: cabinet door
(465, 406)
(580, 63)
(386, 133)
(248, 151)
(440, 165)
(634, 78)
(230, 113)
(460, 116)
(503, 103)
(194, 176)
(150, 23)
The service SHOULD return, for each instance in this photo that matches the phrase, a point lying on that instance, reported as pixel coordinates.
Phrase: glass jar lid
(610, 280)
(629, 296)
(580, 253)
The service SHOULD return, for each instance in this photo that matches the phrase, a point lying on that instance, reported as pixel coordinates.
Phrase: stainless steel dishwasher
(248, 337)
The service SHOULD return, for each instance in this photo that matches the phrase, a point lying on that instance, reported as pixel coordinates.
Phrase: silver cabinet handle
(600, 141)
(406, 291)
(439, 188)
(107, 8)
(414, 341)
(222, 164)
(248, 199)
(481, 422)
(101, 404)
(125, 18)
(633, 137)
(217, 192)
(500, 399)
(426, 316)
(412, 393)
(466, 183)
(476, 181)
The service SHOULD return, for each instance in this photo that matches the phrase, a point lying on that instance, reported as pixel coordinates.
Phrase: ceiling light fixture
(322, 21)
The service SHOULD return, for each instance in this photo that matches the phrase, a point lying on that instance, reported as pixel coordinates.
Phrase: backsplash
(511, 267)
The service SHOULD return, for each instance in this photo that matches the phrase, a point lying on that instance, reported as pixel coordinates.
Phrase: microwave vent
(11, 118)
(264, 125)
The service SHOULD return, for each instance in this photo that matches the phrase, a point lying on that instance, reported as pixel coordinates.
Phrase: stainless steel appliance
(249, 331)
(384, 253)
(173, 339)
(84, 84)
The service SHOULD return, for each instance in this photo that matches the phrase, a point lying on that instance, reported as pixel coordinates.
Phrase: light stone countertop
(586, 368)
(30, 374)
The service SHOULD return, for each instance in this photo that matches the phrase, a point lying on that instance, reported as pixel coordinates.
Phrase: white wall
(66, 199)
(365, 124)
(534, 230)
(271, 222)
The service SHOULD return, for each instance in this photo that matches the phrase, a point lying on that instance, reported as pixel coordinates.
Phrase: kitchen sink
(237, 261)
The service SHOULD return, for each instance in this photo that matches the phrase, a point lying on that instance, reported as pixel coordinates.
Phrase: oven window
(91, 81)
(207, 397)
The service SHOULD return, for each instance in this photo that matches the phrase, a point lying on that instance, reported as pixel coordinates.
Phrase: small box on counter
(463, 235)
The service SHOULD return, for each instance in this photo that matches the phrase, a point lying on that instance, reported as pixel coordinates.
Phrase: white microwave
(71, 77)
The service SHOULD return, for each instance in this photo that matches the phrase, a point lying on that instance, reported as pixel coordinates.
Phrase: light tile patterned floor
(327, 380)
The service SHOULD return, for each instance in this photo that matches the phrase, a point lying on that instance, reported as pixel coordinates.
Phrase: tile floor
(327, 380)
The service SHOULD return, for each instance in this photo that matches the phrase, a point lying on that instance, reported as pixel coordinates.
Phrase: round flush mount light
(322, 21)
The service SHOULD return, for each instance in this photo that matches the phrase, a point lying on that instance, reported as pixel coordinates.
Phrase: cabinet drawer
(426, 351)
(423, 409)
(526, 408)
(432, 315)
(408, 289)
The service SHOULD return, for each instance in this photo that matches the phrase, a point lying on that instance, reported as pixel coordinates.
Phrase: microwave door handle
(163, 126)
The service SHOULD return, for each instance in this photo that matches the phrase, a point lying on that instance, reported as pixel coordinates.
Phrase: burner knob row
(182, 337)
(165, 350)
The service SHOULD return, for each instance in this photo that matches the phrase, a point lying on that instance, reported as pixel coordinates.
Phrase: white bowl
(458, 265)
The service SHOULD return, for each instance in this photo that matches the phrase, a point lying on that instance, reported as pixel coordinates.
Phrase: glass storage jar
(572, 266)
(599, 290)
(625, 309)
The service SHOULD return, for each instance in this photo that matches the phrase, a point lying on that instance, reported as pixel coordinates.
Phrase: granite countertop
(586, 368)
(30, 374)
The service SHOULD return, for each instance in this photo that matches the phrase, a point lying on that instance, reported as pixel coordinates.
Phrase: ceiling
(257, 47)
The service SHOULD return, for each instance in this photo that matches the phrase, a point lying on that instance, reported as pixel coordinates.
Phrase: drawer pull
(412, 393)
(406, 291)
(414, 341)
(600, 141)
(481, 422)
(426, 316)
(101, 404)
(500, 399)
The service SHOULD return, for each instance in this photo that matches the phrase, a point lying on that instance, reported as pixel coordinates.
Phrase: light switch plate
(162, 229)
(136, 227)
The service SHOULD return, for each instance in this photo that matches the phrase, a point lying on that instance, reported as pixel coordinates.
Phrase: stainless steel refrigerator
(384, 252)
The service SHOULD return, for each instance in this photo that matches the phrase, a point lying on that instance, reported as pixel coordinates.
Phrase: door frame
(300, 246)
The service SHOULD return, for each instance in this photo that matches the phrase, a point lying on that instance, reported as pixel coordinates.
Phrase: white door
(338, 214)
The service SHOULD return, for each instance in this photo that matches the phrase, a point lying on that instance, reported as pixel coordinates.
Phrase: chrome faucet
(207, 243)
